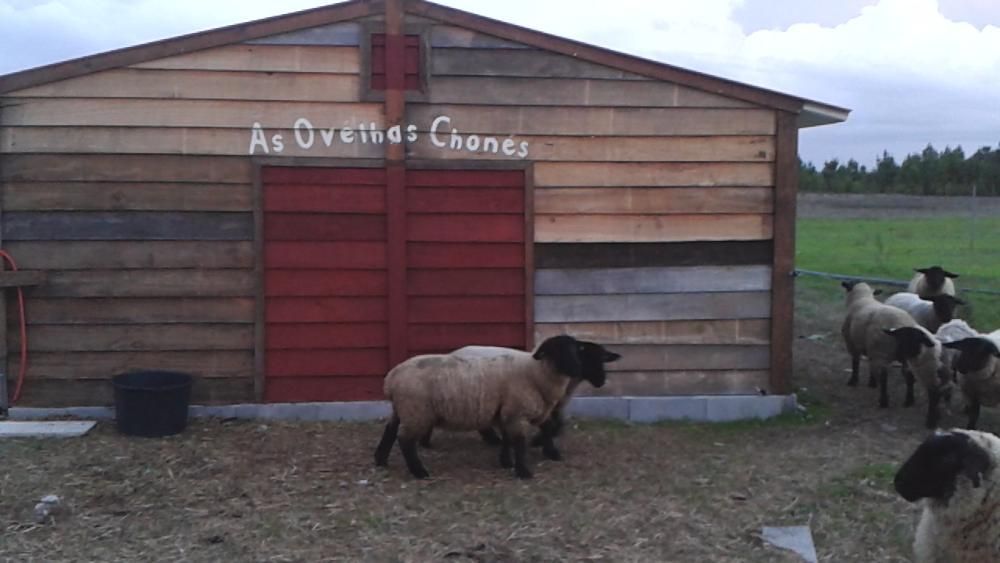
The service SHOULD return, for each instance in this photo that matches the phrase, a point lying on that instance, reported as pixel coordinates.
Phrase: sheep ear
(958, 301)
(948, 274)
(877, 292)
(848, 285)
(921, 270)
(610, 357)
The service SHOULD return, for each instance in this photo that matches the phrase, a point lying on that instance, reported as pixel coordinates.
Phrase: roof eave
(814, 114)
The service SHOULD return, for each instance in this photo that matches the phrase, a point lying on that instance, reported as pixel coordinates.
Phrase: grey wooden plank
(336, 34)
(652, 280)
(690, 357)
(68, 225)
(522, 63)
(652, 307)
(451, 36)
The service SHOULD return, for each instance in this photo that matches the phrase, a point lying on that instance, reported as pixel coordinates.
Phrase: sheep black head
(849, 286)
(935, 276)
(934, 467)
(909, 341)
(974, 353)
(944, 306)
(578, 359)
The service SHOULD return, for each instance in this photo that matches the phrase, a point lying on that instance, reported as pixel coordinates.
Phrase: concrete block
(39, 413)
(246, 410)
(598, 407)
(653, 409)
(744, 407)
(355, 411)
(45, 429)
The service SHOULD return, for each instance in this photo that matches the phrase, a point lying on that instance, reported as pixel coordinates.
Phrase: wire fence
(884, 281)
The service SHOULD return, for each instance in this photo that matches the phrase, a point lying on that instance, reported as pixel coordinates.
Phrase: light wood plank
(127, 225)
(452, 36)
(21, 278)
(135, 338)
(265, 58)
(650, 357)
(652, 307)
(98, 392)
(139, 112)
(688, 382)
(651, 228)
(110, 255)
(520, 63)
(750, 331)
(612, 149)
(140, 311)
(202, 84)
(126, 168)
(573, 201)
(335, 34)
(612, 121)
(126, 196)
(148, 283)
(695, 279)
(643, 174)
(572, 92)
(103, 365)
(180, 141)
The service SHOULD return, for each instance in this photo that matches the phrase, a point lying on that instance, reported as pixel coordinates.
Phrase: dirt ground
(880, 206)
(252, 491)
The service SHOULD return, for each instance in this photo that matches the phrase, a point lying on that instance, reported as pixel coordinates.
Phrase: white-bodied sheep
(480, 388)
(954, 475)
(929, 313)
(978, 367)
(886, 335)
(932, 281)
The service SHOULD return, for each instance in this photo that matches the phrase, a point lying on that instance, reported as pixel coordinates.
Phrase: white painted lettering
(395, 134)
(378, 137)
(508, 147)
(490, 144)
(472, 142)
(439, 121)
(303, 124)
(523, 152)
(328, 135)
(347, 134)
(362, 133)
(278, 143)
(411, 133)
(455, 143)
(257, 138)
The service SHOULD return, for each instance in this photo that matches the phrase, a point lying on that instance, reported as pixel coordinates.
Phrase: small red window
(411, 62)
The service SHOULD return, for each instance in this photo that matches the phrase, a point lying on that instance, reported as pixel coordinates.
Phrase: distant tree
(886, 172)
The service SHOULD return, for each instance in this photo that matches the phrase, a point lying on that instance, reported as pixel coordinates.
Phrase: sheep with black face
(932, 281)
(482, 387)
(978, 369)
(930, 312)
(954, 475)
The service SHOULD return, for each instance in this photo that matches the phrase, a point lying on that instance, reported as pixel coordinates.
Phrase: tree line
(948, 172)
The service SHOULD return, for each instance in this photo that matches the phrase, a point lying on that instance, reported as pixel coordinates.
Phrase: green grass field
(891, 248)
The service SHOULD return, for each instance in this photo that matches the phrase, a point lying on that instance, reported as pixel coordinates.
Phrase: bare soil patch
(252, 491)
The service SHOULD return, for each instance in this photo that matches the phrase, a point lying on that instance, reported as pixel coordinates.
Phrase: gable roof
(810, 112)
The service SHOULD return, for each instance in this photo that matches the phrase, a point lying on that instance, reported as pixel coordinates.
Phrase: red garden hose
(24, 332)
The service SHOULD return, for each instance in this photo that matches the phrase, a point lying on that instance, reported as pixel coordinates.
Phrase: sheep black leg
(545, 438)
(910, 379)
(426, 440)
(872, 383)
(933, 398)
(973, 413)
(855, 366)
(408, 446)
(883, 391)
(385, 444)
(505, 460)
(490, 437)
(520, 451)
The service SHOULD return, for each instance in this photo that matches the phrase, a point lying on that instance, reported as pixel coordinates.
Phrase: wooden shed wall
(653, 206)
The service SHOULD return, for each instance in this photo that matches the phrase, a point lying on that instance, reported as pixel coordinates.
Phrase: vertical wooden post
(786, 177)
(4, 402)
(395, 109)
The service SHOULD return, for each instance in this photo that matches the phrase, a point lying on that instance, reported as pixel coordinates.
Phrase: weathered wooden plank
(459, 310)
(135, 338)
(572, 92)
(748, 331)
(602, 121)
(98, 392)
(108, 255)
(329, 388)
(148, 283)
(692, 279)
(446, 337)
(519, 63)
(652, 307)
(149, 112)
(335, 34)
(465, 200)
(651, 228)
(573, 201)
(452, 36)
(265, 58)
(176, 141)
(647, 357)
(358, 362)
(126, 168)
(140, 311)
(103, 365)
(314, 198)
(689, 382)
(466, 281)
(614, 149)
(304, 283)
(290, 336)
(786, 167)
(465, 227)
(325, 309)
(21, 278)
(356, 255)
(126, 225)
(125, 196)
(202, 85)
(651, 254)
(324, 227)
(648, 174)
(464, 254)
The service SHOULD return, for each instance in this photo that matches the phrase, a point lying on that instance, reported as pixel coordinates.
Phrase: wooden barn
(286, 208)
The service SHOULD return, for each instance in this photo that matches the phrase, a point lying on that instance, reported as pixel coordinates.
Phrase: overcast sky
(913, 71)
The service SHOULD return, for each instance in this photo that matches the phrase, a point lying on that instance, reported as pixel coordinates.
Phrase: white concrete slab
(45, 428)
(797, 539)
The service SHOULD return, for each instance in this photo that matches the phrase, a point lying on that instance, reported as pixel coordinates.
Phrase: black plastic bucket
(152, 403)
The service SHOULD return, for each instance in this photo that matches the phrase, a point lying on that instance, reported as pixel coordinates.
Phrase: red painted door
(326, 276)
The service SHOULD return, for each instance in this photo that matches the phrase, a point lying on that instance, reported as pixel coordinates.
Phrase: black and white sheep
(886, 335)
(954, 475)
(932, 281)
(482, 388)
(978, 368)
(930, 312)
